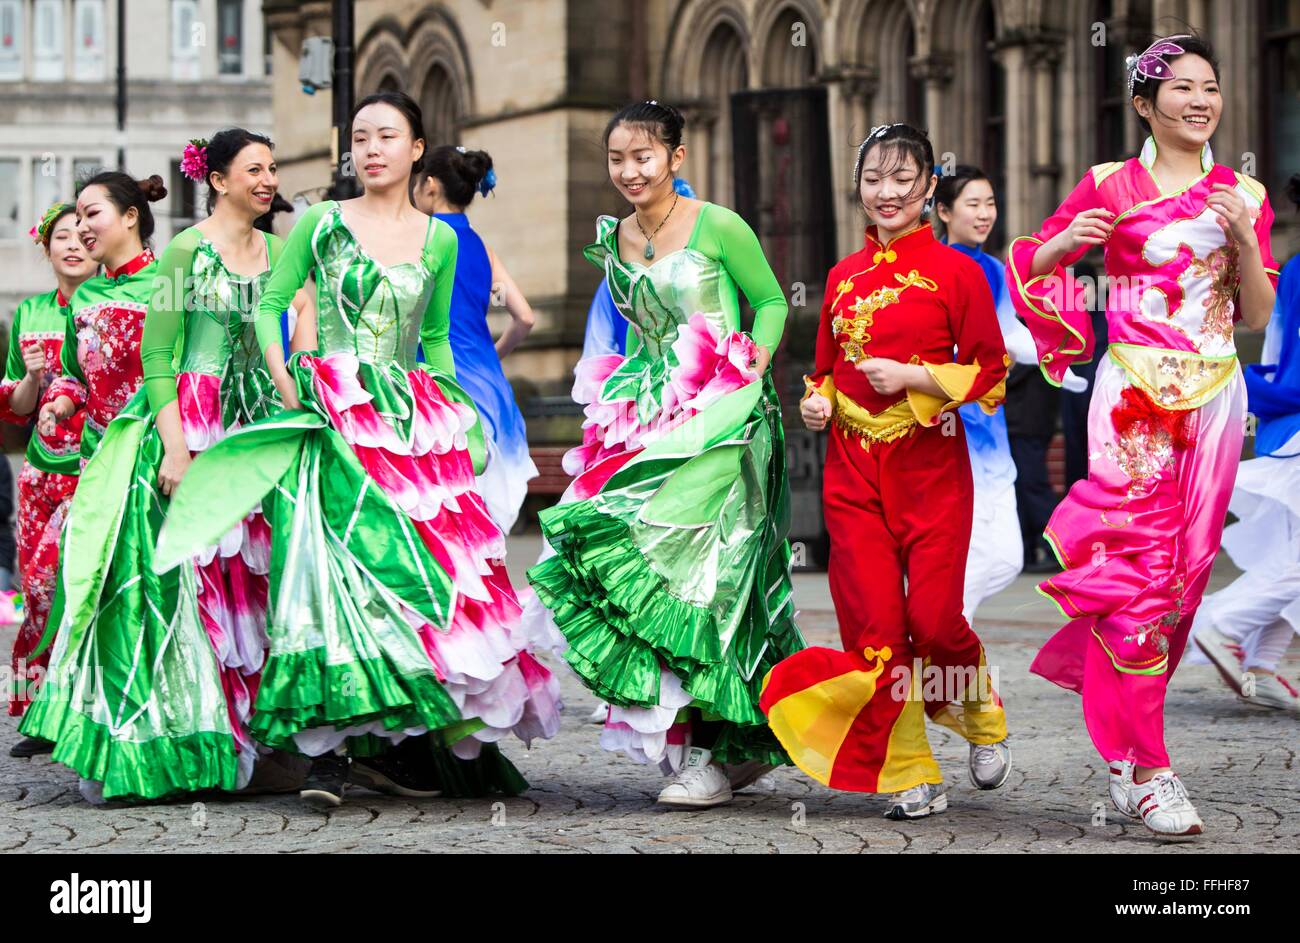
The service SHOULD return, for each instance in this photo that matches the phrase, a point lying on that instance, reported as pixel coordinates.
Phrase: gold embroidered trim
(854, 329)
(1174, 379)
(885, 426)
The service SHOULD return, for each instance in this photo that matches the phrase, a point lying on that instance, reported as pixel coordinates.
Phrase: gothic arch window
(723, 70)
(440, 103)
(790, 51)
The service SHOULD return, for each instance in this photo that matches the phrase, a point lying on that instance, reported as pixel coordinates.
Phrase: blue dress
(996, 549)
(1273, 386)
(504, 482)
(986, 436)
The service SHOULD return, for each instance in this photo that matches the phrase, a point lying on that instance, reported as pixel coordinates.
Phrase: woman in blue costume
(1246, 628)
(968, 209)
(445, 188)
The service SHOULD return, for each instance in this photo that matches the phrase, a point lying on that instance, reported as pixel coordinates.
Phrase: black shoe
(325, 782)
(397, 773)
(31, 746)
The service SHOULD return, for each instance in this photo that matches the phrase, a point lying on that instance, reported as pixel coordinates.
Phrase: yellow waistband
(885, 426)
(1174, 379)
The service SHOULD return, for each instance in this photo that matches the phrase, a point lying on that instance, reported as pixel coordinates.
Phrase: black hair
(1143, 87)
(903, 142)
(662, 122)
(223, 149)
(460, 172)
(1293, 190)
(951, 185)
(410, 111)
(46, 231)
(125, 192)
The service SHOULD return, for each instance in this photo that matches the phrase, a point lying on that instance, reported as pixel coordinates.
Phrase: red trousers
(899, 518)
(43, 499)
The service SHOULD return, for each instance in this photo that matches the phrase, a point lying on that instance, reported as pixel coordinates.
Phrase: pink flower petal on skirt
(589, 376)
(198, 397)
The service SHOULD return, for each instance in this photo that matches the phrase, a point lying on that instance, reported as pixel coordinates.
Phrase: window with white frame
(47, 182)
(47, 41)
(11, 39)
(230, 36)
(188, 37)
(9, 200)
(89, 41)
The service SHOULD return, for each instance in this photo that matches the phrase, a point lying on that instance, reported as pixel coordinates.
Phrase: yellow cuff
(826, 388)
(956, 380)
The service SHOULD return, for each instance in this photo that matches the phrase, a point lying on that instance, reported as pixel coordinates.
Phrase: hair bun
(475, 165)
(1293, 189)
(153, 188)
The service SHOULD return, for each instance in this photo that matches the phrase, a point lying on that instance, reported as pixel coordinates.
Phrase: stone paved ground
(1239, 763)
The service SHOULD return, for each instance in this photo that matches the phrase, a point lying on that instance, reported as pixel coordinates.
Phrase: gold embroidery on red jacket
(853, 330)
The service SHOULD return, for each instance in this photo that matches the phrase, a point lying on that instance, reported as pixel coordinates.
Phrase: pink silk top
(1172, 280)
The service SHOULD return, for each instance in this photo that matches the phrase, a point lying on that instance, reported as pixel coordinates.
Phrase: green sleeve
(162, 322)
(288, 275)
(15, 368)
(724, 235)
(71, 367)
(435, 329)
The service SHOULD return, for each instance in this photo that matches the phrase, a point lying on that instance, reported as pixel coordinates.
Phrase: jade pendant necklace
(649, 246)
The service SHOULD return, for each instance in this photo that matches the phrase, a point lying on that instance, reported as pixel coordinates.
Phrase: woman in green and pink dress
(175, 655)
(667, 570)
(49, 474)
(392, 616)
(99, 363)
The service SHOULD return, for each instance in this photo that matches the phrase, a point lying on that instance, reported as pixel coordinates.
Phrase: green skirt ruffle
(617, 607)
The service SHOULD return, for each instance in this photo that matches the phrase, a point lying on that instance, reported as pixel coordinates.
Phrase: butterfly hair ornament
(1151, 64)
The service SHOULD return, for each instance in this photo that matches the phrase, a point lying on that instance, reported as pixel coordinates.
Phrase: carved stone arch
(858, 24)
(441, 74)
(896, 44)
(381, 59)
(708, 61)
(689, 36)
(780, 63)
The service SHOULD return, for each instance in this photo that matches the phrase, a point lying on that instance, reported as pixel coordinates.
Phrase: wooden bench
(551, 478)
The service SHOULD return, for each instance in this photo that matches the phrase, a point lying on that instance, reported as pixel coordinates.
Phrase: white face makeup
(102, 229)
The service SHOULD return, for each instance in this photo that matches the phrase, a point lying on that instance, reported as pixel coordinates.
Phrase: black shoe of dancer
(325, 782)
(405, 770)
(31, 746)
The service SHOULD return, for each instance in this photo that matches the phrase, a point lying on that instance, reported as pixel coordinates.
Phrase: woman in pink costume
(1187, 255)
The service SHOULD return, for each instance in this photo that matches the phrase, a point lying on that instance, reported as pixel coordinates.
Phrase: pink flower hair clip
(194, 162)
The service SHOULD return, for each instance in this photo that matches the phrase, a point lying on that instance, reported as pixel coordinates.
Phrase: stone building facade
(777, 93)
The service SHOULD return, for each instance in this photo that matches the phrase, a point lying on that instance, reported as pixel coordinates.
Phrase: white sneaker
(1165, 809)
(1223, 653)
(917, 802)
(700, 785)
(1272, 691)
(600, 714)
(990, 764)
(1121, 788)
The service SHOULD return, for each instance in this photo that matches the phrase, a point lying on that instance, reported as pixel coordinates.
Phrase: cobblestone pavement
(1238, 762)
